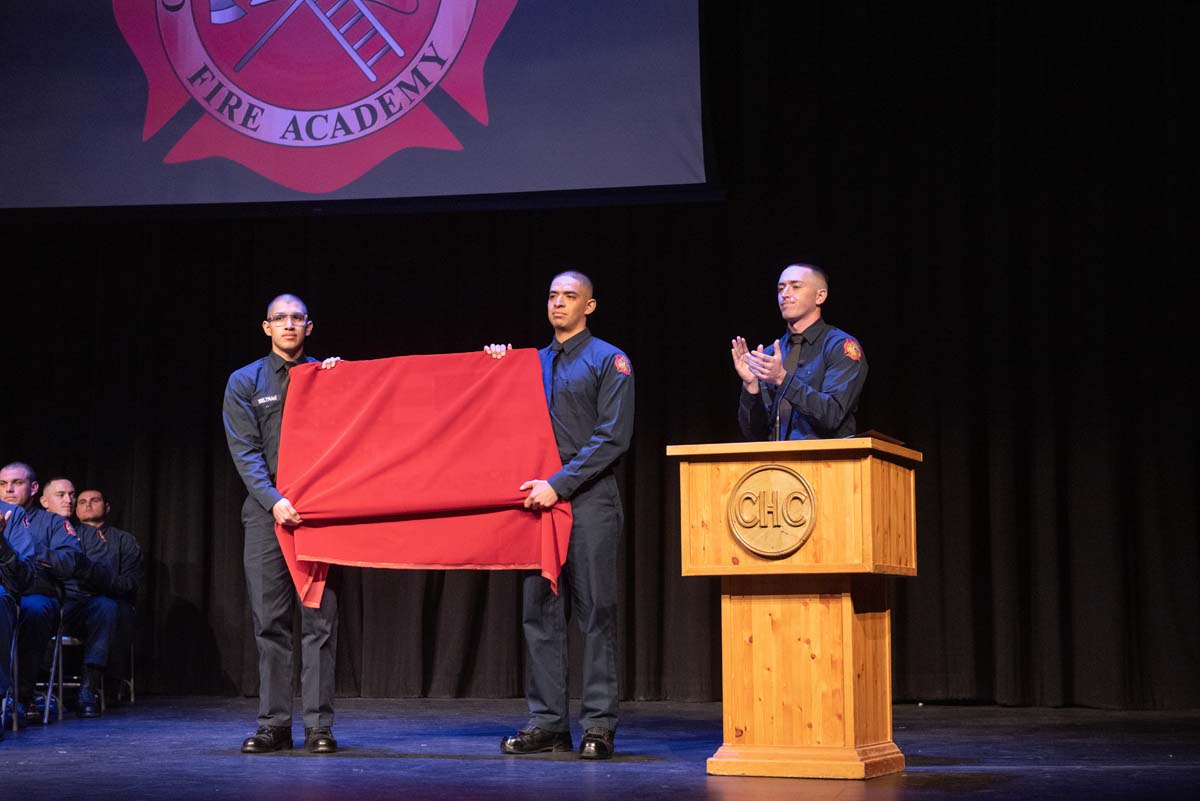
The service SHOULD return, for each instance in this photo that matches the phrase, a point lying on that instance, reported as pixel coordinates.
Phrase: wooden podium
(804, 535)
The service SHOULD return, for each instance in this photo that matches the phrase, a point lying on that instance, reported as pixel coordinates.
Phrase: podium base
(807, 762)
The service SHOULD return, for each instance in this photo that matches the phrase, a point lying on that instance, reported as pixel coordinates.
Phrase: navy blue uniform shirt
(116, 559)
(822, 391)
(589, 389)
(253, 413)
(17, 566)
(54, 547)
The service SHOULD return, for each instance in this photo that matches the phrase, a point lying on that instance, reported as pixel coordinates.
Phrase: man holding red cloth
(589, 390)
(252, 412)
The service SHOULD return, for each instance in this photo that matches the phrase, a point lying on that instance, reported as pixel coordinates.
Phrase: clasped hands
(756, 365)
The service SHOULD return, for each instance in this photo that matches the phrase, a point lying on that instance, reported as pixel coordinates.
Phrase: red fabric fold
(415, 462)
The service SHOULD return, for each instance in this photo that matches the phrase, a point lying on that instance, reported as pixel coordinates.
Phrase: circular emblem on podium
(772, 511)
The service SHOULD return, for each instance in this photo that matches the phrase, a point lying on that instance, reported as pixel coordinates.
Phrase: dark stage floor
(187, 748)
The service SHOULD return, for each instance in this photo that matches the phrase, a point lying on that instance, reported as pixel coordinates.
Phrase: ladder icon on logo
(359, 22)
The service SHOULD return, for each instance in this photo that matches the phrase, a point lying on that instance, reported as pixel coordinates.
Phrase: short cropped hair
(52, 479)
(30, 476)
(285, 296)
(578, 276)
(818, 271)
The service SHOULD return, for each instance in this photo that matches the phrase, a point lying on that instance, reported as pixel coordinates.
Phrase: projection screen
(148, 102)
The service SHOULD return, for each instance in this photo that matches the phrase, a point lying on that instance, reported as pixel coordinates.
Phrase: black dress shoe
(90, 687)
(267, 739)
(34, 712)
(89, 704)
(29, 714)
(536, 741)
(597, 743)
(319, 740)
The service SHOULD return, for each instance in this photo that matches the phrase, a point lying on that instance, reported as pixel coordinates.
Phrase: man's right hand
(285, 513)
(739, 351)
(497, 351)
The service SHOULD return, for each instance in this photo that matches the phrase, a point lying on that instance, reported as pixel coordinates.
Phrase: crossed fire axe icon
(222, 12)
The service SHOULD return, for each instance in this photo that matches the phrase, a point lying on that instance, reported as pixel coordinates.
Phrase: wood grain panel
(806, 639)
(710, 548)
(893, 513)
(807, 665)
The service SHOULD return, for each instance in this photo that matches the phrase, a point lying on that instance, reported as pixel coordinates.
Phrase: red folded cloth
(415, 462)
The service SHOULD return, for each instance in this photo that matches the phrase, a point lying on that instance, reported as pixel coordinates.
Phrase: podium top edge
(860, 446)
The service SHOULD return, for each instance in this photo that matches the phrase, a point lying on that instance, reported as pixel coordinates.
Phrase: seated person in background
(54, 547)
(102, 607)
(16, 574)
(58, 497)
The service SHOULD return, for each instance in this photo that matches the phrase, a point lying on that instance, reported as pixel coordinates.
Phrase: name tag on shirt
(266, 399)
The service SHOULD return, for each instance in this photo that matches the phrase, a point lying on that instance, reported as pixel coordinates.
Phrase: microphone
(780, 392)
(778, 398)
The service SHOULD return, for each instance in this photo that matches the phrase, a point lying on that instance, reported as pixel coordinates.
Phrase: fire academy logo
(311, 94)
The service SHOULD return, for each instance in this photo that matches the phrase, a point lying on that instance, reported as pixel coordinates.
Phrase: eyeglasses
(280, 320)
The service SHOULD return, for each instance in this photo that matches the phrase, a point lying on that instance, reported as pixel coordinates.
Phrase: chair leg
(127, 683)
(55, 672)
(58, 658)
(15, 672)
(9, 707)
(12, 696)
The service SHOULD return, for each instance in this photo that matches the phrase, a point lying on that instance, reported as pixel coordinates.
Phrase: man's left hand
(767, 366)
(541, 494)
(330, 363)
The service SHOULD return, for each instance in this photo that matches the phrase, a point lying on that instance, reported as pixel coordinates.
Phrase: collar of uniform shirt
(812, 333)
(280, 364)
(574, 343)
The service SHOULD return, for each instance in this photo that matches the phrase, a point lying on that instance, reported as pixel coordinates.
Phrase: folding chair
(59, 680)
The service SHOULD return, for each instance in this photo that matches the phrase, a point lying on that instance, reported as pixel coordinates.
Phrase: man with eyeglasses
(102, 608)
(253, 412)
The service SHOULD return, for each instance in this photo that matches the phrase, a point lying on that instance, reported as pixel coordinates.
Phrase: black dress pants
(587, 588)
(272, 596)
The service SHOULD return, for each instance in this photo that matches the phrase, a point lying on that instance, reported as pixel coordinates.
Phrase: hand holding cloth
(415, 462)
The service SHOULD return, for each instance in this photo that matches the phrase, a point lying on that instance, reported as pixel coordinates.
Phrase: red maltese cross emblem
(310, 94)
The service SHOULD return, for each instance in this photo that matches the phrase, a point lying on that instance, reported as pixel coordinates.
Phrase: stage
(184, 748)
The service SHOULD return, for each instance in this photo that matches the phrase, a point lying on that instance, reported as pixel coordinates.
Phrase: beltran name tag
(266, 399)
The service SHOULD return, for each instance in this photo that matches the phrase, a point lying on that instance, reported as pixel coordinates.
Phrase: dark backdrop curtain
(998, 192)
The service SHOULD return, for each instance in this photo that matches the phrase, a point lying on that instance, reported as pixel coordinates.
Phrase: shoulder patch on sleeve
(70, 529)
(852, 349)
(621, 362)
